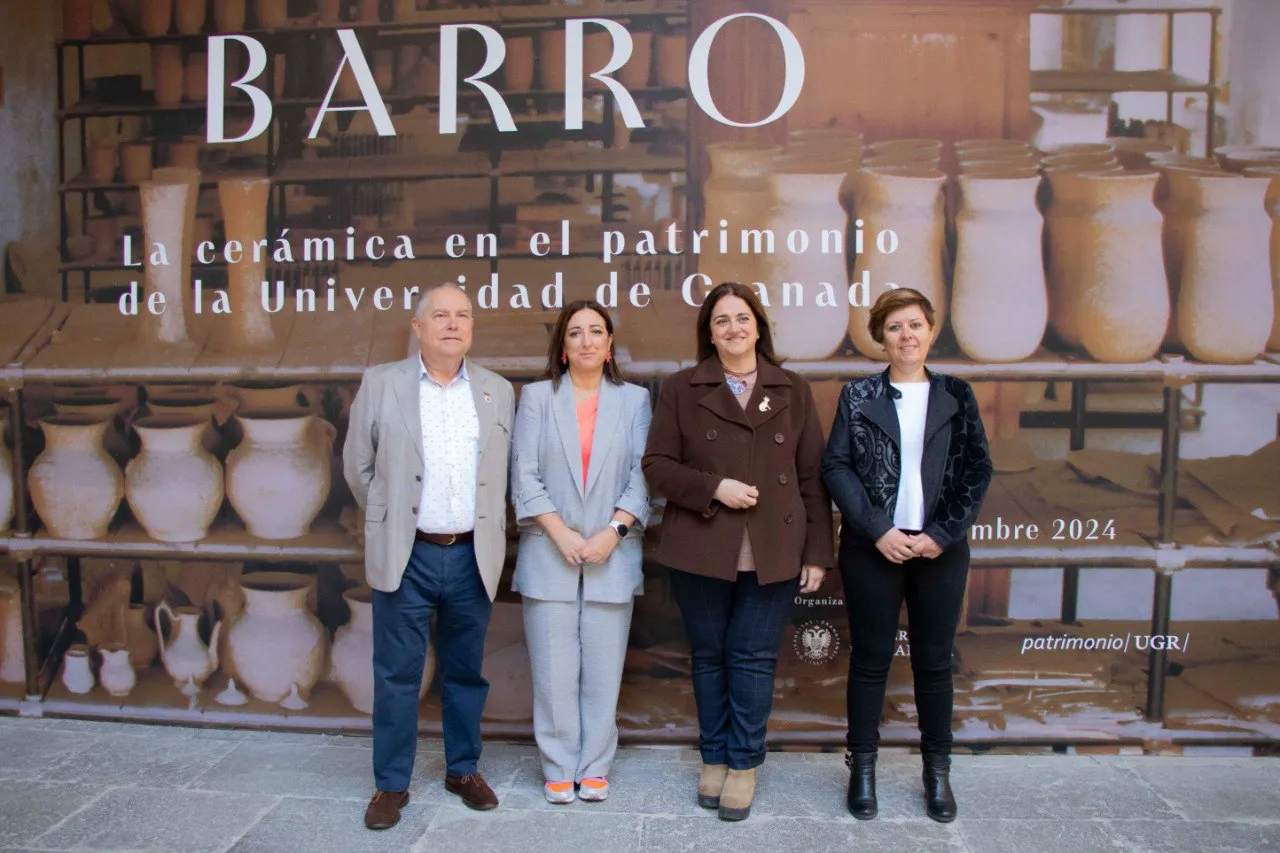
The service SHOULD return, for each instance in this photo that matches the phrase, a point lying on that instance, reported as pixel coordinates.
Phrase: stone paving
(73, 785)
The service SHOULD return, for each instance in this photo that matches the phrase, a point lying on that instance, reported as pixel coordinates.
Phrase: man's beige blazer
(382, 460)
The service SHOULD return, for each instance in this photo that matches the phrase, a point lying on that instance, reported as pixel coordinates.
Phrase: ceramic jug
(116, 674)
(77, 673)
(186, 657)
(275, 645)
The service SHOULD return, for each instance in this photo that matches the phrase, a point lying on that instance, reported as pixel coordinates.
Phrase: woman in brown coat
(736, 449)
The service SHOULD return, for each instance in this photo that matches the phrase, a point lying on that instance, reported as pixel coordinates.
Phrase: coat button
(418, 478)
(414, 510)
(779, 438)
(711, 435)
(788, 518)
(782, 478)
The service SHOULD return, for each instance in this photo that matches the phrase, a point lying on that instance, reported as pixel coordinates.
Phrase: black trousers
(874, 589)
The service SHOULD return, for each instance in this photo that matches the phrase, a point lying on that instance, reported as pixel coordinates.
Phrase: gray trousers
(577, 650)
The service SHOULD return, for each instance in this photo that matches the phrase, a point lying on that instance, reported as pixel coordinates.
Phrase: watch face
(621, 529)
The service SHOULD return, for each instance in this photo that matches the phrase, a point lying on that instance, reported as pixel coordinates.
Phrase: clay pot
(1175, 198)
(200, 409)
(276, 646)
(174, 485)
(1071, 161)
(12, 666)
(136, 161)
(184, 154)
(908, 201)
(77, 673)
(6, 480)
(251, 397)
(352, 657)
(271, 14)
(914, 149)
(116, 674)
(994, 143)
(195, 80)
(75, 486)
(635, 74)
(138, 636)
(809, 203)
(279, 477)
(999, 305)
(244, 213)
(1135, 153)
(186, 658)
(1271, 174)
(1080, 149)
(1226, 307)
(168, 218)
(551, 59)
(167, 74)
(102, 163)
(1237, 158)
(229, 15)
(100, 408)
(1068, 206)
(518, 69)
(157, 17)
(190, 16)
(673, 61)
(833, 141)
(77, 19)
(736, 191)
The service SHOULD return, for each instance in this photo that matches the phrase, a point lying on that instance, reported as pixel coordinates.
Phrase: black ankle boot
(862, 785)
(940, 803)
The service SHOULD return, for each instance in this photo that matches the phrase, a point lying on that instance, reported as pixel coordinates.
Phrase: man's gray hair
(426, 296)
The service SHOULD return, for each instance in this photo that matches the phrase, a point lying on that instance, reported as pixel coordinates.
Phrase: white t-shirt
(912, 407)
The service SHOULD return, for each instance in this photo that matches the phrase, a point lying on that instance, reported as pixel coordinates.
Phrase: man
(426, 457)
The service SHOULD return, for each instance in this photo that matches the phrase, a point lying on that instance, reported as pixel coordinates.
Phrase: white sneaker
(558, 793)
(594, 789)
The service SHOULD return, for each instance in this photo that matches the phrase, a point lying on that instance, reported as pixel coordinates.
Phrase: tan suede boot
(710, 784)
(739, 791)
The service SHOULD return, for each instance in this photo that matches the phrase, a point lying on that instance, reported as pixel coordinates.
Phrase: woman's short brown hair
(764, 344)
(892, 300)
(557, 365)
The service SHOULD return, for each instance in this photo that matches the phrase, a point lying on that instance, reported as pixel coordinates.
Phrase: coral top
(587, 411)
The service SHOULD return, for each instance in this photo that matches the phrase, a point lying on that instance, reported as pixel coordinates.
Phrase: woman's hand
(896, 546)
(736, 495)
(570, 543)
(811, 578)
(922, 545)
(598, 548)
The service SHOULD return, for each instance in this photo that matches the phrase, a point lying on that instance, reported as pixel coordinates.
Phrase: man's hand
(811, 578)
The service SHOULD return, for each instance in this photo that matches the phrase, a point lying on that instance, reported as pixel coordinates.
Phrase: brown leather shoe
(475, 792)
(384, 809)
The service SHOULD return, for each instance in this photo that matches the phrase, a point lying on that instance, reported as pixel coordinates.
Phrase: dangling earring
(564, 359)
(608, 357)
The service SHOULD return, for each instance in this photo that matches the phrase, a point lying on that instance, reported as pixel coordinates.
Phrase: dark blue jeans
(734, 630)
(443, 582)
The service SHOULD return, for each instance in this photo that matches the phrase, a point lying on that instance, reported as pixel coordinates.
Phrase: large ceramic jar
(157, 17)
(174, 485)
(271, 14)
(279, 477)
(190, 15)
(1065, 203)
(999, 306)
(518, 68)
(100, 404)
(167, 205)
(6, 480)
(352, 657)
(736, 193)
(1175, 198)
(199, 407)
(229, 15)
(1226, 307)
(167, 74)
(1272, 175)
(12, 668)
(244, 211)
(77, 19)
(276, 646)
(809, 321)
(75, 486)
(906, 200)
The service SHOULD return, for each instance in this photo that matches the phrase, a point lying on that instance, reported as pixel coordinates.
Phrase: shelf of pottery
(126, 135)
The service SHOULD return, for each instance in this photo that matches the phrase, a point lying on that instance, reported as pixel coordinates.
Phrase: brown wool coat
(701, 435)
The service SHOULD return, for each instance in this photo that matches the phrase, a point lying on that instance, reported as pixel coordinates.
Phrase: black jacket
(862, 463)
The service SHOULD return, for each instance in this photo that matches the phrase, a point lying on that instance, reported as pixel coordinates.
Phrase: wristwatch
(619, 528)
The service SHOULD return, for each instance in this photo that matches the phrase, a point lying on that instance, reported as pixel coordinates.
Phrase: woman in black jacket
(908, 466)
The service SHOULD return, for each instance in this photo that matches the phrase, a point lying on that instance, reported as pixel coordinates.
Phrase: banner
(220, 213)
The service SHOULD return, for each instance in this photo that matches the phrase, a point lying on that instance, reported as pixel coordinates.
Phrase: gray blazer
(546, 476)
(382, 461)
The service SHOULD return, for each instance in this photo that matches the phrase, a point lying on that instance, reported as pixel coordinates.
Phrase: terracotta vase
(1175, 198)
(6, 480)
(279, 477)
(139, 637)
(635, 74)
(330, 12)
(737, 192)
(195, 80)
(229, 15)
(1066, 205)
(77, 19)
(1226, 306)
(518, 69)
(271, 14)
(167, 74)
(551, 59)
(168, 218)
(367, 11)
(136, 161)
(116, 674)
(187, 659)
(808, 203)
(12, 668)
(174, 485)
(999, 305)
(276, 646)
(244, 211)
(77, 672)
(190, 16)
(1272, 175)
(75, 486)
(157, 17)
(102, 163)
(673, 61)
(908, 201)
(352, 657)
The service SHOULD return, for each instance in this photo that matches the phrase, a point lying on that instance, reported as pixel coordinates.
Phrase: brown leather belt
(445, 539)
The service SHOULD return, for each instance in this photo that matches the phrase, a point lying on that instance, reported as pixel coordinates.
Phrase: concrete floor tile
(31, 752)
(1018, 836)
(28, 809)
(459, 829)
(291, 770)
(500, 764)
(162, 820)
(1210, 789)
(1158, 836)
(308, 826)
(130, 761)
(812, 835)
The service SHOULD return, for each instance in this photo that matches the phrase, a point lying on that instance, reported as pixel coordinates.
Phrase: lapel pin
(488, 398)
(764, 404)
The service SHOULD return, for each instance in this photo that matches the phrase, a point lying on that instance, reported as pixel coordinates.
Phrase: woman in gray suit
(581, 505)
